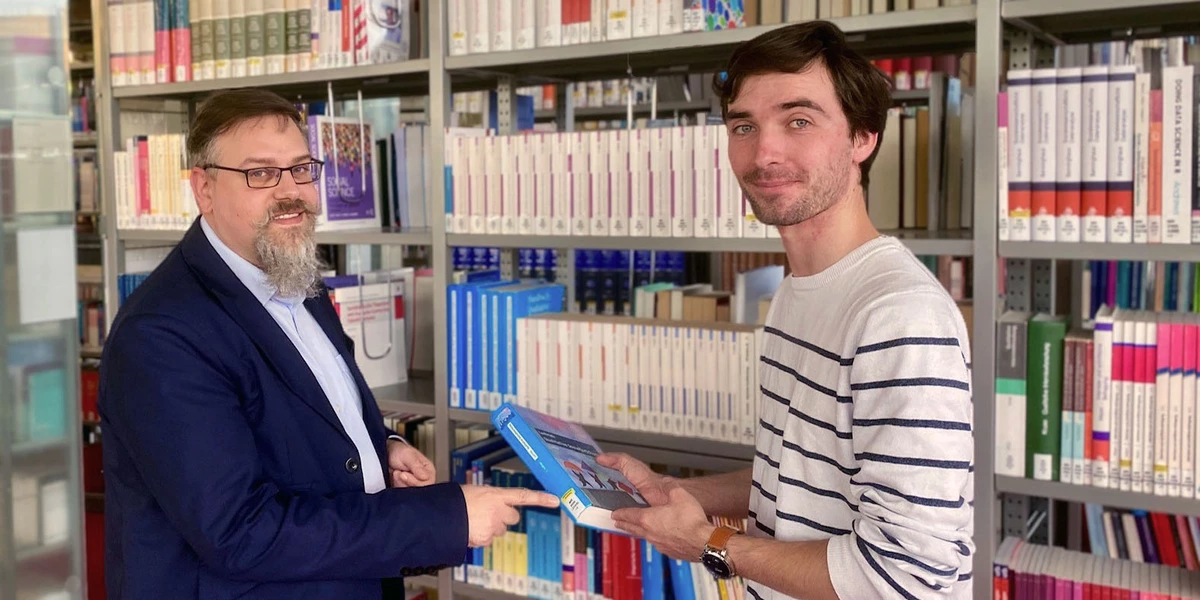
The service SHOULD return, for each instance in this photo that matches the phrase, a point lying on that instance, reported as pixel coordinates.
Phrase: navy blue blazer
(227, 473)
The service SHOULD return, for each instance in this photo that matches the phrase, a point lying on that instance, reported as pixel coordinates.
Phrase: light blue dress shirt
(322, 358)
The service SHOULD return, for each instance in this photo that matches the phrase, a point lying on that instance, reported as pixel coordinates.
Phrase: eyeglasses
(268, 177)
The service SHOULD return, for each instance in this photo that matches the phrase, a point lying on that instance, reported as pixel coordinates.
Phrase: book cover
(347, 184)
(562, 456)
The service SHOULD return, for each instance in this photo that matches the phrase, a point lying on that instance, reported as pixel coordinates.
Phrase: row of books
(1024, 570)
(677, 378)
(1114, 406)
(655, 182)
(161, 41)
(1143, 537)
(1101, 148)
(548, 555)
(1137, 285)
(503, 26)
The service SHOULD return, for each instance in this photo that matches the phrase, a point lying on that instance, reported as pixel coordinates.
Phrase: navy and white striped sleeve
(913, 441)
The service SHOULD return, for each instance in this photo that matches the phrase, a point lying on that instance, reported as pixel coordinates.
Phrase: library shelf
(375, 236)
(413, 396)
(619, 439)
(462, 588)
(39, 447)
(84, 139)
(1079, 21)
(920, 242)
(384, 79)
(931, 30)
(428, 581)
(1095, 495)
(1099, 251)
(90, 351)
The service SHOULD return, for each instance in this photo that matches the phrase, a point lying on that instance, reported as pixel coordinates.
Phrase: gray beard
(292, 266)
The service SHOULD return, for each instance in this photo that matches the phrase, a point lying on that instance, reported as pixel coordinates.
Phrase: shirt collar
(251, 276)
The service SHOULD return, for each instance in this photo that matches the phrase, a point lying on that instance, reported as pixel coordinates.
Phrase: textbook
(562, 456)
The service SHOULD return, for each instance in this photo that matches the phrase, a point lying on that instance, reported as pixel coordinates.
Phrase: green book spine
(1044, 408)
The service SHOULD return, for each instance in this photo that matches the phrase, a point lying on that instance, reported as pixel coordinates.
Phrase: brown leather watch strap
(720, 537)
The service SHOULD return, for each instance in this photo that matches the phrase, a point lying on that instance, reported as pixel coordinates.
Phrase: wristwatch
(716, 556)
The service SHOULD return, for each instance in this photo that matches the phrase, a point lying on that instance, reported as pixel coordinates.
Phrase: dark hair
(863, 91)
(226, 109)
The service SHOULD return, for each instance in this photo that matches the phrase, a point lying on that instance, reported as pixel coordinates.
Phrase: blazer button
(351, 465)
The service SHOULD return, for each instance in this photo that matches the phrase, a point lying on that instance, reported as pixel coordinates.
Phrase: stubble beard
(288, 256)
(819, 191)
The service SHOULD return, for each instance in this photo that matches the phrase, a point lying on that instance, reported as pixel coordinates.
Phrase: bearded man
(244, 454)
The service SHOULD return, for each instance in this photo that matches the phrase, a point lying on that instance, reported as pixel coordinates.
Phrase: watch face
(717, 566)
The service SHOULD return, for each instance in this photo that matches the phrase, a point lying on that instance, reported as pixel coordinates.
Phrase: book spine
(1096, 99)
(1020, 154)
(1044, 162)
(1069, 142)
(1120, 153)
(1141, 158)
(1177, 154)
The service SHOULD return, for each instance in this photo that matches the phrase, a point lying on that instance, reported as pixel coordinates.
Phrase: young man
(862, 480)
(244, 455)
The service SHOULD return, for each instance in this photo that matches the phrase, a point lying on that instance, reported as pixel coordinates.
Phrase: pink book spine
(143, 172)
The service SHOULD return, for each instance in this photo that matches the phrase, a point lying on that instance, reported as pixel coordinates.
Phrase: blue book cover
(562, 456)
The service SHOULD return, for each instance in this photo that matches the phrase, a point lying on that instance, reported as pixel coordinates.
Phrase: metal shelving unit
(1098, 251)
(1094, 495)
(405, 77)
(920, 242)
(985, 27)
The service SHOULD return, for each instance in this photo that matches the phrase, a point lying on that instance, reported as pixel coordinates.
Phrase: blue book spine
(681, 580)
(652, 572)
(454, 346)
(483, 378)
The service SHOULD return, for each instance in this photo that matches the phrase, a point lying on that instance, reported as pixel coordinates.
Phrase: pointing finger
(525, 497)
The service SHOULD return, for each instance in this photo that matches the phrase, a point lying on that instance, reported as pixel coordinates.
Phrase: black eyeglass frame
(278, 172)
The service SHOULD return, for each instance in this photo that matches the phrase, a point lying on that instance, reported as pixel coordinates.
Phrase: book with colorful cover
(562, 456)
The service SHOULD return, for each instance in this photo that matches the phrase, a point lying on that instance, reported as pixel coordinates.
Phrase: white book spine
(508, 185)
(1162, 441)
(1020, 153)
(550, 24)
(661, 198)
(458, 38)
(599, 156)
(525, 33)
(1151, 400)
(621, 182)
(1095, 153)
(1175, 327)
(1002, 159)
(1120, 153)
(543, 210)
(648, 23)
(568, 403)
(146, 42)
(1177, 154)
(1141, 158)
(560, 179)
(678, 406)
(1187, 484)
(1070, 147)
(598, 20)
(493, 159)
(120, 57)
(479, 27)
(670, 17)
(581, 204)
(745, 413)
(639, 158)
(477, 182)
(524, 155)
(635, 389)
(682, 192)
(238, 38)
(1122, 397)
(1045, 149)
(620, 26)
(502, 25)
(1141, 444)
(1101, 395)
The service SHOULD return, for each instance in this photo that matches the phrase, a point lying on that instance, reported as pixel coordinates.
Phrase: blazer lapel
(322, 310)
(272, 342)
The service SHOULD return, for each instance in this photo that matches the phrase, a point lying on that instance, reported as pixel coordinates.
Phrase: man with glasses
(244, 455)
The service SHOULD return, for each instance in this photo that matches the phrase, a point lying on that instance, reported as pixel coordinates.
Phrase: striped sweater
(865, 435)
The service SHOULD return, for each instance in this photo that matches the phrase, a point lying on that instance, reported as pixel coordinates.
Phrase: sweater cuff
(845, 572)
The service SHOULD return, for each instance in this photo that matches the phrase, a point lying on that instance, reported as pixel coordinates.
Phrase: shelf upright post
(108, 121)
(987, 81)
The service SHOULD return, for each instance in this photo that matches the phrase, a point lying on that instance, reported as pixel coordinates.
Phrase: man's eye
(742, 129)
(260, 174)
(800, 123)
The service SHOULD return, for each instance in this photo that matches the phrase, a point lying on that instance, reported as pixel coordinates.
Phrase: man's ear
(864, 145)
(202, 189)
